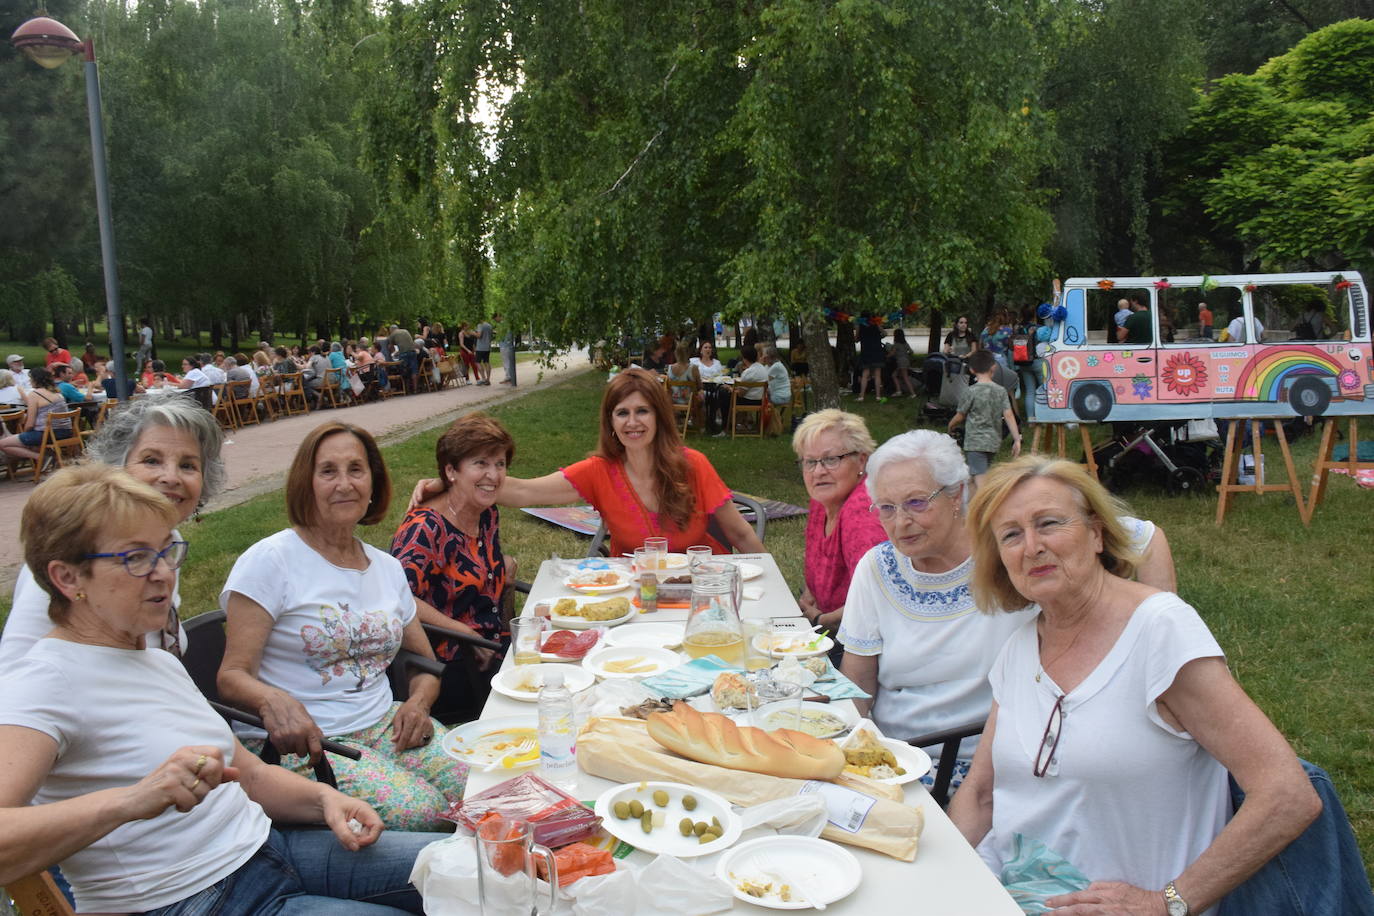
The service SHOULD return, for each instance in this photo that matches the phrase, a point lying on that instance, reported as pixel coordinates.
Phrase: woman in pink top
(832, 449)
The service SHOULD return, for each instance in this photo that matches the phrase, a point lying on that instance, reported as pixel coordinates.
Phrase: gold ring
(194, 784)
(200, 764)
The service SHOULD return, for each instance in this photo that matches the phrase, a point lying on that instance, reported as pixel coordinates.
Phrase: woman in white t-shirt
(116, 768)
(170, 444)
(315, 617)
(710, 370)
(912, 635)
(1116, 719)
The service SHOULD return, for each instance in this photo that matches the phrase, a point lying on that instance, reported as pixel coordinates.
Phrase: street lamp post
(49, 43)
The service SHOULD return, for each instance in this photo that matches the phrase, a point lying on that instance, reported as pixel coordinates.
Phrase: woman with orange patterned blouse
(450, 548)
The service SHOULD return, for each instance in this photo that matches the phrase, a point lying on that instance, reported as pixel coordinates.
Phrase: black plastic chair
(745, 504)
(948, 741)
(202, 657)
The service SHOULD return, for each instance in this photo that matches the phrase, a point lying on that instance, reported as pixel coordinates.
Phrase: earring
(80, 596)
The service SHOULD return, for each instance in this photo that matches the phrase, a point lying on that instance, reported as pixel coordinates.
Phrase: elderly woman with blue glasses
(912, 634)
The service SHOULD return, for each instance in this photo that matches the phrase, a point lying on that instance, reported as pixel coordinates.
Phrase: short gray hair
(230, 362)
(769, 352)
(849, 426)
(126, 424)
(336, 347)
(941, 455)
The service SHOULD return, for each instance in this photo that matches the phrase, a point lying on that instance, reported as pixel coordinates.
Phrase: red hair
(673, 484)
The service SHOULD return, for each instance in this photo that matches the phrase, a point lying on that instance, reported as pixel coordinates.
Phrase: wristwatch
(1175, 904)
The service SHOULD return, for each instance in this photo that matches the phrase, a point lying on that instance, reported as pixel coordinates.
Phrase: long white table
(947, 878)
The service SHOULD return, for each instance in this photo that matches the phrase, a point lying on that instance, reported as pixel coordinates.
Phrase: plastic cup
(526, 635)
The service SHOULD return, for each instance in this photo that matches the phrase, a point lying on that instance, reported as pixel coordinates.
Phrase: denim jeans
(410, 365)
(1318, 874)
(306, 872)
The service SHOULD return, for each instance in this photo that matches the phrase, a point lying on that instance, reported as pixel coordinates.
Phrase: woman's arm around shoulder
(551, 489)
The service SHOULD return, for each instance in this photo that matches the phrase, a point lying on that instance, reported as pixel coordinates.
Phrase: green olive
(646, 822)
(714, 832)
(699, 827)
(661, 798)
(706, 838)
(622, 810)
(636, 808)
(685, 826)
(715, 822)
(689, 802)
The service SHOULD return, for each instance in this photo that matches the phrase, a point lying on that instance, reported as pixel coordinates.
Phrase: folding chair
(949, 741)
(268, 395)
(52, 444)
(242, 405)
(37, 895)
(331, 391)
(12, 421)
(685, 407)
(223, 408)
(448, 373)
(396, 377)
(741, 407)
(292, 393)
(426, 377)
(202, 656)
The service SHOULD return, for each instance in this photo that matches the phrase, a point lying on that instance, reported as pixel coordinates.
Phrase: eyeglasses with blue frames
(141, 561)
(912, 507)
(829, 462)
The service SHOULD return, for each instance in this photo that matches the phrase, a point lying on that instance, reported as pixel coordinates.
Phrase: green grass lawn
(1290, 605)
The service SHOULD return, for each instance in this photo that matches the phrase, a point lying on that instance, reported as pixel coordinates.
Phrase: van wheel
(1309, 397)
(1092, 402)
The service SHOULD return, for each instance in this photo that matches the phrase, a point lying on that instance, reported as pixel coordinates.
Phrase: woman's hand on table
(290, 726)
(1109, 898)
(339, 809)
(181, 782)
(807, 602)
(411, 726)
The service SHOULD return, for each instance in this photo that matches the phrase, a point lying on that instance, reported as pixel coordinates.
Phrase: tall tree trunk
(844, 353)
(216, 334)
(820, 361)
(937, 320)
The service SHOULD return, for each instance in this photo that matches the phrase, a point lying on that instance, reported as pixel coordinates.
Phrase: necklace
(458, 519)
(1050, 664)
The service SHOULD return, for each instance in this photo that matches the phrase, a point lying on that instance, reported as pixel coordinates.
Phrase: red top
(1205, 317)
(830, 561)
(60, 355)
(603, 483)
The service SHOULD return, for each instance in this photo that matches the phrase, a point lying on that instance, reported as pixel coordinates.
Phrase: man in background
(484, 332)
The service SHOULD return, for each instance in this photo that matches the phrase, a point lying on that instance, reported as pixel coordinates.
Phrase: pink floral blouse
(830, 560)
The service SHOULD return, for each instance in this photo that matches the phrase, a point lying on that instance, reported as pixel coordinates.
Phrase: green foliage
(1284, 158)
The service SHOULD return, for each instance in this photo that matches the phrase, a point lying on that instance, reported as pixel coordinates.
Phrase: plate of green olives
(668, 818)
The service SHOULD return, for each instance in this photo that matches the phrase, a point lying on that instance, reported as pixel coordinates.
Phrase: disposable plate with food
(913, 760)
(646, 635)
(802, 645)
(630, 661)
(817, 721)
(484, 742)
(777, 871)
(598, 581)
(522, 682)
(570, 613)
(679, 817)
(583, 641)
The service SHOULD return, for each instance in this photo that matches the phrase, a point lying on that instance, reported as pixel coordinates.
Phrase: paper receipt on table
(844, 808)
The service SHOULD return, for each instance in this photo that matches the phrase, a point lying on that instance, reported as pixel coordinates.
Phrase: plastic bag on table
(609, 697)
(667, 886)
(800, 815)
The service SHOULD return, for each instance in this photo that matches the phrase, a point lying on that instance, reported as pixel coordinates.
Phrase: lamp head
(46, 41)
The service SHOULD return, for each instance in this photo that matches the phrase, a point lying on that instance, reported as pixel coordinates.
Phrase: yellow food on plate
(610, 609)
(866, 756)
(592, 579)
(634, 665)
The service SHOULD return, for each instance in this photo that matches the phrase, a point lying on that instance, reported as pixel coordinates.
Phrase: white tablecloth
(947, 878)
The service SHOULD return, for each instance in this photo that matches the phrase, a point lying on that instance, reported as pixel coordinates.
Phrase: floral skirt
(409, 788)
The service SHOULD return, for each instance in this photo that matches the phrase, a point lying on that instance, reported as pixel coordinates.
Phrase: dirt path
(257, 457)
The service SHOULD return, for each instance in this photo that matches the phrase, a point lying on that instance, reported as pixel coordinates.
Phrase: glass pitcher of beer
(713, 624)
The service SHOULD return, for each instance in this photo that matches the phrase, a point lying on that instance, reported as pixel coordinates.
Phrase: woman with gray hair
(169, 443)
(912, 634)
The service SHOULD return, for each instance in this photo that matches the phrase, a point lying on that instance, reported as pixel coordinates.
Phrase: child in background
(982, 408)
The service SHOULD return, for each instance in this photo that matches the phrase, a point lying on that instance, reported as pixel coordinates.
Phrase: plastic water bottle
(557, 733)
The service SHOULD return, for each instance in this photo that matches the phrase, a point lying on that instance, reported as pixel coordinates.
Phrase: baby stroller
(945, 378)
(1161, 454)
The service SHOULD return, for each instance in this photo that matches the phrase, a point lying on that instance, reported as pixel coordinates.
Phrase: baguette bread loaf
(713, 738)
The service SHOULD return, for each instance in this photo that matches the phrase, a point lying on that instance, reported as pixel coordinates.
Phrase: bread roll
(712, 738)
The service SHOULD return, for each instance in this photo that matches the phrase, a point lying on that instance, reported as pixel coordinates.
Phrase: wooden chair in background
(292, 393)
(71, 444)
(223, 408)
(687, 390)
(742, 407)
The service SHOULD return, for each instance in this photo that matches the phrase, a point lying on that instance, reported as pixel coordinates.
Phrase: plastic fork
(510, 757)
(770, 865)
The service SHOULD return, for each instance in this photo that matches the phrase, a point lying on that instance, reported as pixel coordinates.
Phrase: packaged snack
(578, 860)
(558, 818)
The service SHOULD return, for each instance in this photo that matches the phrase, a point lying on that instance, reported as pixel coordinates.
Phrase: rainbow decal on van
(1264, 376)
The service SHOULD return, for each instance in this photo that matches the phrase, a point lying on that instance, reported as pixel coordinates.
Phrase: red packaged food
(570, 644)
(558, 818)
(577, 860)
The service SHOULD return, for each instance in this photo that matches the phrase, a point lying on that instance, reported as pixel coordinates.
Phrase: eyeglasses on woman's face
(911, 507)
(829, 462)
(141, 561)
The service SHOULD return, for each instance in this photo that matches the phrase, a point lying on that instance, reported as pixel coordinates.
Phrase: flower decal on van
(1349, 381)
(1184, 374)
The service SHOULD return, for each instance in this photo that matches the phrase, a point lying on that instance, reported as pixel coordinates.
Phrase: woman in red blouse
(642, 479)
(450, 548)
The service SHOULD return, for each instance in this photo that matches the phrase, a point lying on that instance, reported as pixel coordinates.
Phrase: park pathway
(257, 457)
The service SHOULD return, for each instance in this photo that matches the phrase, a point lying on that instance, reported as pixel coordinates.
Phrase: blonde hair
(850, 427)
(66, 515)
(991, 585)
